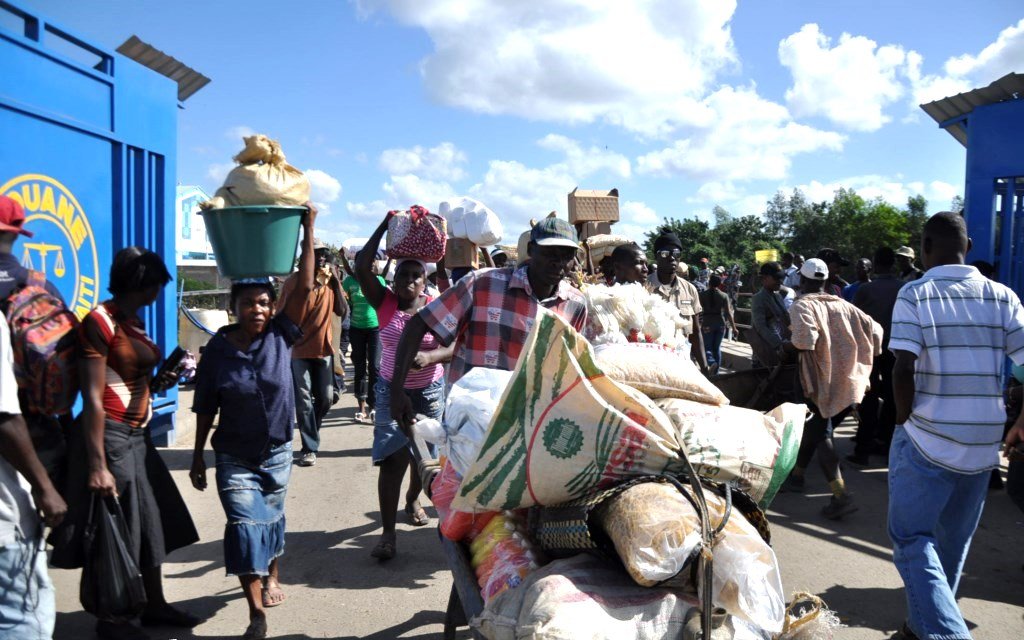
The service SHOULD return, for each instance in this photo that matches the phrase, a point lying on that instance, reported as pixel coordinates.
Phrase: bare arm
(435, 356)
(204, 422)
(16, 447)
(344, 263)
(340, 301)
(296, 302)
(93, 376)
(697, 345)
(903, 388)
(371, 286)
(488, 260)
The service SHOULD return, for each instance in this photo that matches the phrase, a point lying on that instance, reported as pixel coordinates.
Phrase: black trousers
(365, 359)
(878, 409)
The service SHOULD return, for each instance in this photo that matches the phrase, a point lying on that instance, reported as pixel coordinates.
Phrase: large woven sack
(756, 450)
(656, 532)
(262, 177)
(564, 429)
(658, 372)
(418, 234)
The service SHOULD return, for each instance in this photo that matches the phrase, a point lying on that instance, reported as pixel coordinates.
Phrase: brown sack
(262, 177)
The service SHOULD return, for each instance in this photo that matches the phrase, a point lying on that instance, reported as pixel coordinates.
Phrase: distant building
(192, 246)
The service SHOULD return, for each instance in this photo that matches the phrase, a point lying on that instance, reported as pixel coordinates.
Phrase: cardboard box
(593, 206)
(461, 253)
(590, 229)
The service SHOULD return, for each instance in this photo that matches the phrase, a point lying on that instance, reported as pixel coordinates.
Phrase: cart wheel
(454, 617)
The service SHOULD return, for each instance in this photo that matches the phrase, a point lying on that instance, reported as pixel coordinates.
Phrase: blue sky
(680, 104)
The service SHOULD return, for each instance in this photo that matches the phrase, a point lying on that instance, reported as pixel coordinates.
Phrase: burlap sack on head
(564, 429)
(261, 177)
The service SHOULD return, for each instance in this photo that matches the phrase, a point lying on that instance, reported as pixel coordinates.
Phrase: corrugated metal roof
(1009, 87)
(189, 80)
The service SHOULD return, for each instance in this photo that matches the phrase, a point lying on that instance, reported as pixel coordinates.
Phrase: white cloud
(582, 161)
(750, 138)
(443, 162)
(238, 132)
(969, 71)
(642, 65)
(217, 172)
(850, 83)
(324, 188)
(892, 189)
(638, 213)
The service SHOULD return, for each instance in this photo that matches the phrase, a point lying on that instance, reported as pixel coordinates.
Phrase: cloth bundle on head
(668, 241)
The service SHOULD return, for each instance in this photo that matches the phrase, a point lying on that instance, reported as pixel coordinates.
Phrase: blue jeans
(388, 438)
(713, 344)
(28, 607)
(253, 497)
(933, 513)
(313, 380)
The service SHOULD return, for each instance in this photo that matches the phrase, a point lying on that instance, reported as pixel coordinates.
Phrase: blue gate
(89, 150)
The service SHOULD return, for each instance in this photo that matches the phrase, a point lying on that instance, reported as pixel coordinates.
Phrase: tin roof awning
(949, 112)
(189, 80)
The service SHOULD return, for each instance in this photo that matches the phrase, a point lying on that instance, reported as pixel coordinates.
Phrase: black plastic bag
(111, 581)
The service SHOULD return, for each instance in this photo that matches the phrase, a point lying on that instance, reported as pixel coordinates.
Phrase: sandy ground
(335, 590)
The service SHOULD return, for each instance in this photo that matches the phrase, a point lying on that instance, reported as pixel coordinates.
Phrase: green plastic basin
(254, 241)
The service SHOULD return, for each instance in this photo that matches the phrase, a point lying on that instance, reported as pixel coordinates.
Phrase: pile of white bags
(471, 220)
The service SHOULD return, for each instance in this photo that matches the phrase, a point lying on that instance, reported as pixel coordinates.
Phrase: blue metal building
(90, 140)
(990, 123)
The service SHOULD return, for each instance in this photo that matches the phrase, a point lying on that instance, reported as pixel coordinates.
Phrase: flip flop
(257, 629)
(360, 416)
(385, 550)
(417, 516)
(267, 602)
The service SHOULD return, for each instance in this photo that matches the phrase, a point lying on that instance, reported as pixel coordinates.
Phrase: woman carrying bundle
(245, 375)
(391, 448)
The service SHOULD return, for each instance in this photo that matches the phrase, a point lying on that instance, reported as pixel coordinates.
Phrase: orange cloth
(838, 344)
(316, 319)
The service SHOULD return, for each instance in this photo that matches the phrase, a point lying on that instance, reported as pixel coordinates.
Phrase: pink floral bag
(417, 233)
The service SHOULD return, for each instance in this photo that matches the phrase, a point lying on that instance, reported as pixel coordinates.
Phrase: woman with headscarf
(116, 367)
(425, 385)
(245, 375)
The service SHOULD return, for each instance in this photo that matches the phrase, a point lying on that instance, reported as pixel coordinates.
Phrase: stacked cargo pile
(612, 493)
(471, 225)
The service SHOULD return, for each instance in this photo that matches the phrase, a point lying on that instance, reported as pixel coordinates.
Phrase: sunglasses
(665, 253)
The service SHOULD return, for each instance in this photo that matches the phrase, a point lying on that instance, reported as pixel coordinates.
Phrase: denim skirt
(253, 499)
(388, 438)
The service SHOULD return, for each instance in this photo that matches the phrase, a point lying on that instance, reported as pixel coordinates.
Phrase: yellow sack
(261, 177)
(564, 429)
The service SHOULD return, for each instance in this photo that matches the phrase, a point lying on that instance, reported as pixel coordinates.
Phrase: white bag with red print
(418, 234)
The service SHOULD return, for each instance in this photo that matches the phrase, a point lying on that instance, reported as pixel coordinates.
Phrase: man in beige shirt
(683, 295)
(837, 344)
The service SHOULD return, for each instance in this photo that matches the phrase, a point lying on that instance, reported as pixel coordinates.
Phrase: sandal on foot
(360, 416)
(257, 629)
(268, 602)
(385, 550)
(417, 516)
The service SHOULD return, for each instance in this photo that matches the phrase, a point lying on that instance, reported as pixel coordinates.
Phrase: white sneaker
(307, 459)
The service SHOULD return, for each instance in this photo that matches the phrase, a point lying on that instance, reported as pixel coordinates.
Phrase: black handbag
(111, 584)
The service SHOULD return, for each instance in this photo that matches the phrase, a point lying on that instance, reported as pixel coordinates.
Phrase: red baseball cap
(12, 216)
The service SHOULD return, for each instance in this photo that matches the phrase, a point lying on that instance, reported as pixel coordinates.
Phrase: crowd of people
(917, 356)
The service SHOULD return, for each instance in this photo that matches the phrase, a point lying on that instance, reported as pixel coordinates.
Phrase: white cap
(814, 269)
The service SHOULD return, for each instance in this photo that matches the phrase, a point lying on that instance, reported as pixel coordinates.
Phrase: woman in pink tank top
(425, 386)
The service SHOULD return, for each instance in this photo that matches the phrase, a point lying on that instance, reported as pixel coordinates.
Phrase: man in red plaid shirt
(490, 313)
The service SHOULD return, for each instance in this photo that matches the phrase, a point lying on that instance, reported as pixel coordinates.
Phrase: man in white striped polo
(951, 333)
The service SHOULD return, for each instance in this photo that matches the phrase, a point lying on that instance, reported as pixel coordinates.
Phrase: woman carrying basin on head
(245, 375)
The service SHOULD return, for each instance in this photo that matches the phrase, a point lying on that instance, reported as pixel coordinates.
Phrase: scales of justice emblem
(63, 246)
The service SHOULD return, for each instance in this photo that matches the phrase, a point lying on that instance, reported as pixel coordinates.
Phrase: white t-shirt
(18, 517)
